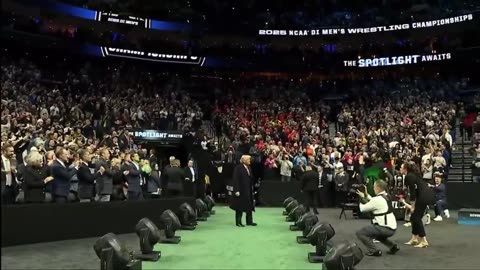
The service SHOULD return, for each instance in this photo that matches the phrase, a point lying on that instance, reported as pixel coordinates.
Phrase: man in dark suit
(190, 179)
(9, 185)
(62, 175)
(131, 170)
(86, 179)
(174, 177)
(104, 180)
(309, 186)
(242, 199)
(323, 188)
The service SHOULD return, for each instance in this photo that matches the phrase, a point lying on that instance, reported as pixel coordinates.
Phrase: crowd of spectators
(83, 115)
(65, 127)
(381, 124)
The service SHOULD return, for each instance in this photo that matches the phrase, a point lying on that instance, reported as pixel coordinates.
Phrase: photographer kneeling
(383, 224)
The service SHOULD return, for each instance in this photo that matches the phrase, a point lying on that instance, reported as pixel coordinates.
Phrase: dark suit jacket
(309, 181)
(174, 178)
(61, 179)
(242, 182)
(297, 172)
(133, 178)
(86, 182)
(33, 185)
(153, 182)
(105, 181)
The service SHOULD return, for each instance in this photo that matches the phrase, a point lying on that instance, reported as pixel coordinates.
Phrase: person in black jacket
(118, 180)
(243, 200)
(440, 191)
(420, 197)
(35, 178)
(133, 174)
(86, 179)
(309, 186)
(174, 177)
(105, 181)
(190, 178)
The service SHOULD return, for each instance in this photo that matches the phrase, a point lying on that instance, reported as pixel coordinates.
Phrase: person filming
(383, 224)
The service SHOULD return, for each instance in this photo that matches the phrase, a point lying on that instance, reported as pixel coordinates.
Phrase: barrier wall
(35, 223)
(463, 195)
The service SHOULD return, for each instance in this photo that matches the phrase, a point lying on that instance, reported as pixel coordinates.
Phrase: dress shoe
(240, 225)
(412, 243)
(422, 245)
(377, 253)
(393, 250)
(252, 224)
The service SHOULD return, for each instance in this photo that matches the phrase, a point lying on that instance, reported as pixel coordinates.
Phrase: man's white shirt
(378, 205)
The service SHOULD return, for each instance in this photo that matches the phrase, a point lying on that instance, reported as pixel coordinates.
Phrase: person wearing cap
(440, 198)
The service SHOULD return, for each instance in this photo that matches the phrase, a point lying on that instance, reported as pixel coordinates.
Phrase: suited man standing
(62, 175)
(242, 200)
(309, 183)
(8, 175)
(131, 170)
(86, 179)
(105, 179)
(174, 177)
(190, 179)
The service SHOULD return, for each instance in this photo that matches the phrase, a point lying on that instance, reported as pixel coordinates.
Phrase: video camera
(355, 187)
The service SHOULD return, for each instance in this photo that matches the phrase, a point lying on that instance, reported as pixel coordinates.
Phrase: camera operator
(383, 224)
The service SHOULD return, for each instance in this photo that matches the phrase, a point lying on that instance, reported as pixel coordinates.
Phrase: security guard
(383, 224)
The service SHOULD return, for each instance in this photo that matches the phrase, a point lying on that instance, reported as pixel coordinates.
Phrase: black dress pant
(311, 200)
(416, 219)
(61, 199)
(239, 214)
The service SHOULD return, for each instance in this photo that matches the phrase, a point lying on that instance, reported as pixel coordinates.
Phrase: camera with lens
(354, 187)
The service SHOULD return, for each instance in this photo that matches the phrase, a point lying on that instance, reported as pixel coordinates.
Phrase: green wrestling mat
(219, 244)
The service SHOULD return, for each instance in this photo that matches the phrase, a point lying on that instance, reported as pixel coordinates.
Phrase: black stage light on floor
(149, 235)
(210, 204)
(187, 216)
(343, 256)
(296, 213)
(300, 223)
(285, 203)
(114, 255)
(170, 223)
(306, 223)
(318, 237)
(202, 210)
(290, 206)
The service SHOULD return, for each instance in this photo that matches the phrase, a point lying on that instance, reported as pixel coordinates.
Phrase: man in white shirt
(383, 224)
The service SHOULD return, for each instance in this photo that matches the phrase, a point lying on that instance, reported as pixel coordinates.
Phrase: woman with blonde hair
(35, 178)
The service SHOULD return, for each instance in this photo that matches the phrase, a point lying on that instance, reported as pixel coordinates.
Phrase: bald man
(242, 200)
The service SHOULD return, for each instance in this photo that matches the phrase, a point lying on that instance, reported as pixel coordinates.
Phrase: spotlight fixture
(170, 223)
(343, 256)
(291, 206)
(300, 223)
(318, 237)
(210, 204)
(114, 255)
(149, 235)
(285, 203)
(202, 210)
(296, 213)
(187, 216)
(306, 226)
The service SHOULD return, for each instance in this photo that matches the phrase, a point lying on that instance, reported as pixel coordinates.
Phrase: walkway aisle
(218, 244)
